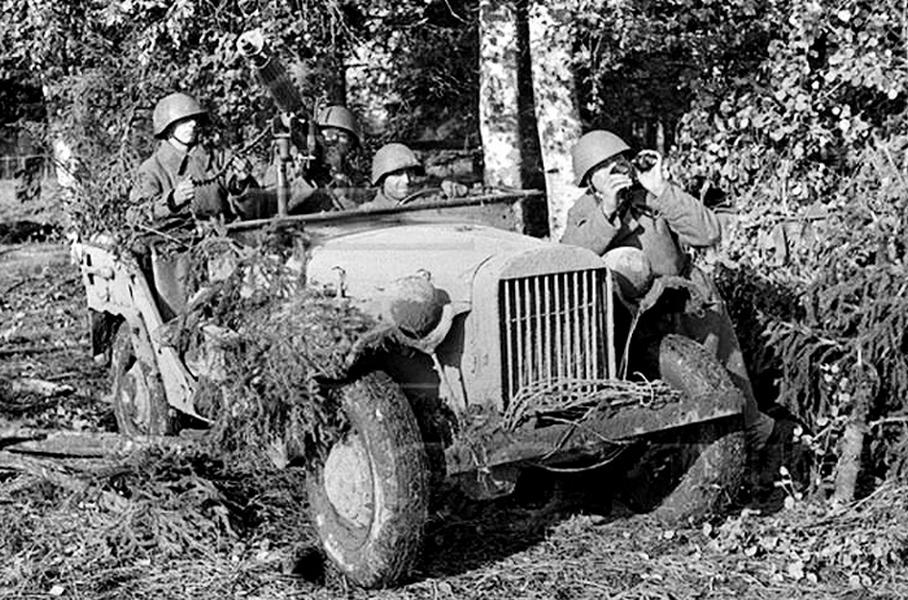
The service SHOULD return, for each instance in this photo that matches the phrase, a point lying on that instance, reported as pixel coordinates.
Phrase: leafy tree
(103, 65)
(796, 111)
(820, 130)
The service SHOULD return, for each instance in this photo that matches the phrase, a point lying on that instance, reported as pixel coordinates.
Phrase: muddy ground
(166, 526)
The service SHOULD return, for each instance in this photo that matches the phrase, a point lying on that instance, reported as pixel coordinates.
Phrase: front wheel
(369, 498)
(696, 470)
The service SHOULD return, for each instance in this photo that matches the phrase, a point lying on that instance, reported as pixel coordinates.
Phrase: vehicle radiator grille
(553, 329)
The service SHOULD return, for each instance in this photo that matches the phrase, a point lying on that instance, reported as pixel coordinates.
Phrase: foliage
(851, 338)
(792, 108)
(846, 547)
(426, 89)
(266, 347)
(818, 132)
(102, 66)
(645, 63)
(161, 524)
(795, 110)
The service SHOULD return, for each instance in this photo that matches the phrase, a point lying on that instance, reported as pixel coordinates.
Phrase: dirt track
(561, 541)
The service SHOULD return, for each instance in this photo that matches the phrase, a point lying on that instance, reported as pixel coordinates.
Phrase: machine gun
(287, 126)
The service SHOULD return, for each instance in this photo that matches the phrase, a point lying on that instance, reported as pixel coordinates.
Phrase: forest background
(788, 114)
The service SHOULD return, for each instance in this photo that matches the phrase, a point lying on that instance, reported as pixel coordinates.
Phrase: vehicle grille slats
(552, 329)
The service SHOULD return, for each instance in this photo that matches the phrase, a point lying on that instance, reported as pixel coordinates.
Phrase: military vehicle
(514, 351)
(515, 361)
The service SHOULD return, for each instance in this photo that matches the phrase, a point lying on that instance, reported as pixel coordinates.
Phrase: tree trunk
(499, 122)
(557, 108)
(848, 466)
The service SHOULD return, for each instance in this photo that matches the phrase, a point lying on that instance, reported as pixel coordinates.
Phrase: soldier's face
(397, 185)
(186, 131)
(338, 145)
(337, 137)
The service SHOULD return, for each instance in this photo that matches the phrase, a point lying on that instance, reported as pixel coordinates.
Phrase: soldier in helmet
(340, 136)
(635, 207)
(327, 180)
(394, 168)
(180, 182)
(181, 179)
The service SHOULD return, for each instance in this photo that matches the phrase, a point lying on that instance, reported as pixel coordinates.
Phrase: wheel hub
(348, 481)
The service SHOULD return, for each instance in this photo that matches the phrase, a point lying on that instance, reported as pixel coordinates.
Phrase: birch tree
(556, 107)
(498, 102)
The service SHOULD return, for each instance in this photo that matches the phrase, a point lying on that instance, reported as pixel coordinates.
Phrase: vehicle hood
(366, 262)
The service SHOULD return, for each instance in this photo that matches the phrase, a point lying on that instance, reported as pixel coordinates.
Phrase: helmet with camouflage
(593, 149)
(340, 117)
(172, 108)
(390, 158)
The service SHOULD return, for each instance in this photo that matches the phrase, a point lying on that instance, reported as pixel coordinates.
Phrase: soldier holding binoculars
(631, 208)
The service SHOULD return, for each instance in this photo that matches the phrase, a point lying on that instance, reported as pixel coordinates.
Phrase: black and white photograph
(453, 299)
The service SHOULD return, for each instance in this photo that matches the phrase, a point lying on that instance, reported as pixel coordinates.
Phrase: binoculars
(643, 162)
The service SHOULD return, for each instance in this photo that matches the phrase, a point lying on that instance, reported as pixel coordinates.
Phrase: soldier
(328, 181)
(179, 183)
(341, 136)
(624, 207)
(394, 167)
(182, 180)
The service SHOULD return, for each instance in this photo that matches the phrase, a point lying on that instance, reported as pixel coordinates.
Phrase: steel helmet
(390, 158)
(172, 108)
(592, 149)
(340, 117)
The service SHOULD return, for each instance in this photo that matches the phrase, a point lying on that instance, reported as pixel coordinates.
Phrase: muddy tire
(139, 403)
(694, 471)
(369, 498)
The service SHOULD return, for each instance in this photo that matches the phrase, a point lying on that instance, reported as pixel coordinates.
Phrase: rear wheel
(693, 471)
(369, 497)
(139, 403)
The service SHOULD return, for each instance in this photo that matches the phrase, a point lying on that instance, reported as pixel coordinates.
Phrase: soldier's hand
(608, 186)
(652, 179)
(453, 189)
(242, 168)
(184, 192)
(299, 166)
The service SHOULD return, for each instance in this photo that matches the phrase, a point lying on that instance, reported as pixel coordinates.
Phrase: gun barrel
(271, 72)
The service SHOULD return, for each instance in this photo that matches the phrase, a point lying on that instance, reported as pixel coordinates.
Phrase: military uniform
(152, 202)
(658, 226)
(151, 198)
(662, 227)
(328, 185)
